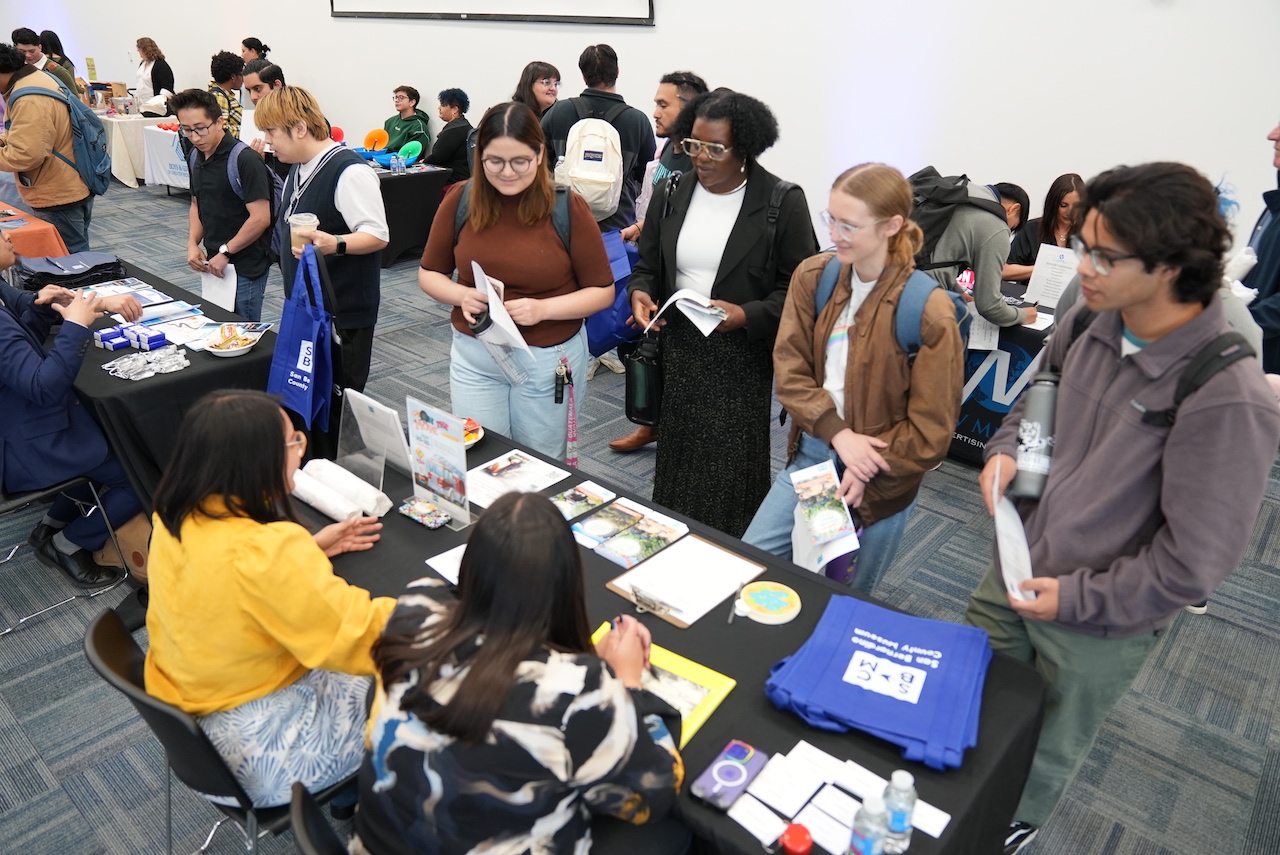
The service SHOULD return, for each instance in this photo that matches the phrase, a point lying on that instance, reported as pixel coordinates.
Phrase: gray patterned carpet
(1188, 763)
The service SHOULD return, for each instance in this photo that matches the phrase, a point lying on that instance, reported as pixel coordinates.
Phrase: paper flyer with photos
(825, 513)
(582, 499)
(438, 458)
(606, 522)
(643, 540)
(512, 472)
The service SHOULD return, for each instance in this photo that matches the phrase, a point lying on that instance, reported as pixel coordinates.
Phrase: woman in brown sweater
(550, 276)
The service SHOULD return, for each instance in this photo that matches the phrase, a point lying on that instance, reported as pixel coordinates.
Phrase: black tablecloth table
(993, 380)
(411, 200)
(141, 417)
(980, 796)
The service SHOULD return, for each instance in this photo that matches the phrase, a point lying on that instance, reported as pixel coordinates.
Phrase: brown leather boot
(637, 439)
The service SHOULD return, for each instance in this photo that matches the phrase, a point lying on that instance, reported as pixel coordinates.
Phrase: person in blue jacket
(1265, 276)
(46, 434)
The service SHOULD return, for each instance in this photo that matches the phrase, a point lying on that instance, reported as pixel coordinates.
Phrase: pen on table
(733, 604)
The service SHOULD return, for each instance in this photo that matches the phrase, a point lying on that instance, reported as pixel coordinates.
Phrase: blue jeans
(249, 294)
(72, 222)
(771, 527)
(527, 413)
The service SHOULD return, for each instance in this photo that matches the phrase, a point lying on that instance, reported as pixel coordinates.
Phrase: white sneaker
(1197, 609)
(612, 362)
(1020, 835)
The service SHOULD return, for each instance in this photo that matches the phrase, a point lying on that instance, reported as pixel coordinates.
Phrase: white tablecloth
(164, 158)
(124, 144)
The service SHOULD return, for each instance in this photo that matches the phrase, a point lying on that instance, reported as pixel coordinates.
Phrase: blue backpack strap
(910, 313)
(826, 285)
(61, 95)
(560, 216)
(233, 169)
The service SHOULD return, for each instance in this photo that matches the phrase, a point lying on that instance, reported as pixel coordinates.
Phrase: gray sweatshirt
(1137, 521)
(982, 239)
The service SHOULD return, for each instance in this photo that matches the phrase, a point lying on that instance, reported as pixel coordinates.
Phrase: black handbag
(644, 381)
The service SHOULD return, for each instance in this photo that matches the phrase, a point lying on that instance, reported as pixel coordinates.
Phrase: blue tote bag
(608, 328)
(302, 367)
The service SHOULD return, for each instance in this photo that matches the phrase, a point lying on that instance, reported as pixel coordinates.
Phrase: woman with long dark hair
(1055, 226)
(712, 236)
(552, 282)
(539, 86)
(499, 725)
(51, 45)
(250, 630)
(855, 397)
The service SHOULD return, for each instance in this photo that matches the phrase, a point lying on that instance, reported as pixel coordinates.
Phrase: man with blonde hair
(333, 183)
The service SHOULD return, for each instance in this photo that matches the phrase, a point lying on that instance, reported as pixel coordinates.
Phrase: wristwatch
(225, 250)
(342, 245)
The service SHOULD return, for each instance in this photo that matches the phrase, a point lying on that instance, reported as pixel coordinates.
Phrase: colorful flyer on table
(606, 522)
(644, 539)
(513, 472)
(825, 513)
(438, 457)
(582, 499)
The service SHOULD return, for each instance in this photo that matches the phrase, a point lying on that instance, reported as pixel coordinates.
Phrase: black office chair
(311, 830)
(117, 658)
(16, 501)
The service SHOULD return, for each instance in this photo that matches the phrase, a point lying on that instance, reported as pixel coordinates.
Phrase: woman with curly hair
(713, 235)
(154, 74)
(539, 86)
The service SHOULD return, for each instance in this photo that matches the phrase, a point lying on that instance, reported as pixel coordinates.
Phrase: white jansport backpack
(593, 159)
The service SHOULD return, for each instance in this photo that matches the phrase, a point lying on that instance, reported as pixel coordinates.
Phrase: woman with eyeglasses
(539, 86)
(711, 232)
(500, 727)
(250, 630)
(542, 246)
(855, 397)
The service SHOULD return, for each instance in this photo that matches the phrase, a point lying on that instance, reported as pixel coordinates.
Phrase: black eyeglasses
(1102, 262)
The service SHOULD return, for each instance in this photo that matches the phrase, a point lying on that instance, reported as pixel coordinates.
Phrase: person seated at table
(539, 86)
(51, 46)
(47, 435)
(1015, 202)
(550, 287)
(251, 49)
(155, 77)
(250, 629)
(227, 71)
(858, 400)
(409, 123)
(1055, 227)
(499, 726)
(451, 143)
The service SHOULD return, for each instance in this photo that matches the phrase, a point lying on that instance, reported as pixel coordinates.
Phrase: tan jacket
(911, 406)
(39, 125)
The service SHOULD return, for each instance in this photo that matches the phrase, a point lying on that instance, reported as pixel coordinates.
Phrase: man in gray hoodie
(1136, 520)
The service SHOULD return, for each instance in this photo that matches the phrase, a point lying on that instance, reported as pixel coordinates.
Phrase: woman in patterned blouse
(500, 727)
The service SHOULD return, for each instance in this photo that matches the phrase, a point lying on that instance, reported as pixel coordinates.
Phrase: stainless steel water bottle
(1035, 437)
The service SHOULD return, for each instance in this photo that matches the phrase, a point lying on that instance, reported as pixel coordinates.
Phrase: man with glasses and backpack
(233, 200)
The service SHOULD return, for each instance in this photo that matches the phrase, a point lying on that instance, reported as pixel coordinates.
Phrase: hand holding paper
(502, 321)
(1011, 541)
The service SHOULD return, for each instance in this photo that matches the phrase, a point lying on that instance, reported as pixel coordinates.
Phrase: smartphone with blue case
(729, 774)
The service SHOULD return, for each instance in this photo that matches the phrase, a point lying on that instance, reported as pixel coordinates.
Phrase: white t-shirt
(358, 196)
(838, 342)
(144, 92)
(703, 236)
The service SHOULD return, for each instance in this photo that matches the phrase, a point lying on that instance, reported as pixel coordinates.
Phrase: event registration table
(141, 417)
(124, 144)
(980, 795)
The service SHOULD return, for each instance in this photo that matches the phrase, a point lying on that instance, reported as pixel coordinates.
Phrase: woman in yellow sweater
(250, 630)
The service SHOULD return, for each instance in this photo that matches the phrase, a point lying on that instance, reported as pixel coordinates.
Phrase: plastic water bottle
(870, 826)
(900, 803)
(502, 353)
(1035, 437)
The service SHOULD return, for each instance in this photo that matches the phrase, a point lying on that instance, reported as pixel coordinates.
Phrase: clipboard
(650, 600)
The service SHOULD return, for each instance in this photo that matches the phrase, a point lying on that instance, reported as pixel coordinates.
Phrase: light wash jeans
(249, 293)
(527, 413)
(771, 527)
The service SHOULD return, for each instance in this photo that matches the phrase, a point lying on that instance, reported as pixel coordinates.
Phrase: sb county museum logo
(994, 380)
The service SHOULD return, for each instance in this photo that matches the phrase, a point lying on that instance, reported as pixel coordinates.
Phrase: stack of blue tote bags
(912, 681)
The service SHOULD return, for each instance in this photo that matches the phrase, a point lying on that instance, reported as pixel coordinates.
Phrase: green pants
(1086, 677)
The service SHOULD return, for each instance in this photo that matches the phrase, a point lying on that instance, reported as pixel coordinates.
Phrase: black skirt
(713, 447)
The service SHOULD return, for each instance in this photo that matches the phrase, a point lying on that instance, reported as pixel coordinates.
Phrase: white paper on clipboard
(502, 322)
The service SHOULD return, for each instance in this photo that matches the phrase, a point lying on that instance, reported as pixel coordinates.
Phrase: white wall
(1005, 90)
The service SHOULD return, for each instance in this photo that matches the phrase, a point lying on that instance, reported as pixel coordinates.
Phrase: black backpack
(934, 201)
(1224, 350)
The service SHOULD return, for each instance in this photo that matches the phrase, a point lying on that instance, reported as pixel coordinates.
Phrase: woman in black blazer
(711, 233)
